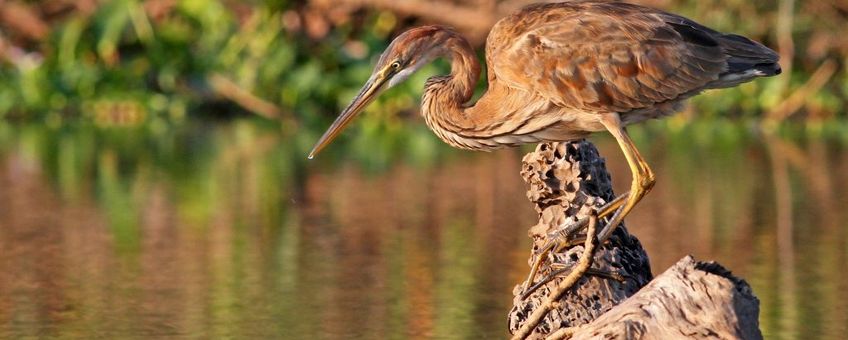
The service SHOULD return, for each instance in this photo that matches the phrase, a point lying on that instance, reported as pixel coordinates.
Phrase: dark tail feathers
(745, 54)
(747, 59)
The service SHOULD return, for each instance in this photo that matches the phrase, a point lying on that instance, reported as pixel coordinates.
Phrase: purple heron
(560, 71)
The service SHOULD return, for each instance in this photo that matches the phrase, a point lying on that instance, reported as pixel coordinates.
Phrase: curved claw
(565, 237)
(591, 271)
(582, 266)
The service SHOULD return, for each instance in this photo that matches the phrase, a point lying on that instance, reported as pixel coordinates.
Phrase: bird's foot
(569, 236)
(559, 269)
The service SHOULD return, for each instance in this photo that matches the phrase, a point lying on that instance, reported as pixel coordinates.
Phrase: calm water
(225, 231)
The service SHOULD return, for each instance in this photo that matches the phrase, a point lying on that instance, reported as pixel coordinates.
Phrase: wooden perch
(567, 181)
(691, 300)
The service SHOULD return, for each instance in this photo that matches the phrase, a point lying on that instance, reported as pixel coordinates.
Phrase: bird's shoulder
(600, 56)
(567, 20)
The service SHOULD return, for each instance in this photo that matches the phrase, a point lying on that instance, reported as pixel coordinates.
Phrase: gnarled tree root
(691, 300)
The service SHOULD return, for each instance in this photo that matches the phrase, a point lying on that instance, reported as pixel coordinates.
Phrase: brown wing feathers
(598, 56)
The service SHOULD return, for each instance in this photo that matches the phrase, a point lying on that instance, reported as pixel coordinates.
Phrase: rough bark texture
(690, 300)
(567, 180)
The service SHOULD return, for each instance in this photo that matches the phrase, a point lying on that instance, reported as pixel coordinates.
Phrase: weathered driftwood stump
(567, 180)
(691, 300)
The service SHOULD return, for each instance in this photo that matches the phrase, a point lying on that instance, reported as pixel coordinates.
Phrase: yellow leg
(643, 177)
(643, 181)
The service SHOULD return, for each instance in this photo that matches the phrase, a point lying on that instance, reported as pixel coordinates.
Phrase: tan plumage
(554, 67)
(560, 71)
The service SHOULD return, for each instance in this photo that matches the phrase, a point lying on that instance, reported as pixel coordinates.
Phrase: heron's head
(406, 54)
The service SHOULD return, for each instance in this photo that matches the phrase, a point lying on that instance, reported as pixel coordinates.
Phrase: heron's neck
(445, 97)
(465, 70)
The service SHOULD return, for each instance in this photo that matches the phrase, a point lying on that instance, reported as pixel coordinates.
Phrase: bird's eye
(396, 65)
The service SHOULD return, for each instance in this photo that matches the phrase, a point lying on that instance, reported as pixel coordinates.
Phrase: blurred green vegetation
(118, 104)
(118, 66)
(153, 63)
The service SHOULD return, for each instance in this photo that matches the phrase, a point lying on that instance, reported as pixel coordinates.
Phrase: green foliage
(123, 66)
(118, 58)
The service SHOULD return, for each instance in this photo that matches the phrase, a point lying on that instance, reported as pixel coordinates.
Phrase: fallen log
(691, 300)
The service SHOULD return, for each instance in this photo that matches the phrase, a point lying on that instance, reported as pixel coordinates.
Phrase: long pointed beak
(368, 92)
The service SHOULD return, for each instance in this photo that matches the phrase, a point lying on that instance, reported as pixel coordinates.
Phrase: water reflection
(224, 231)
